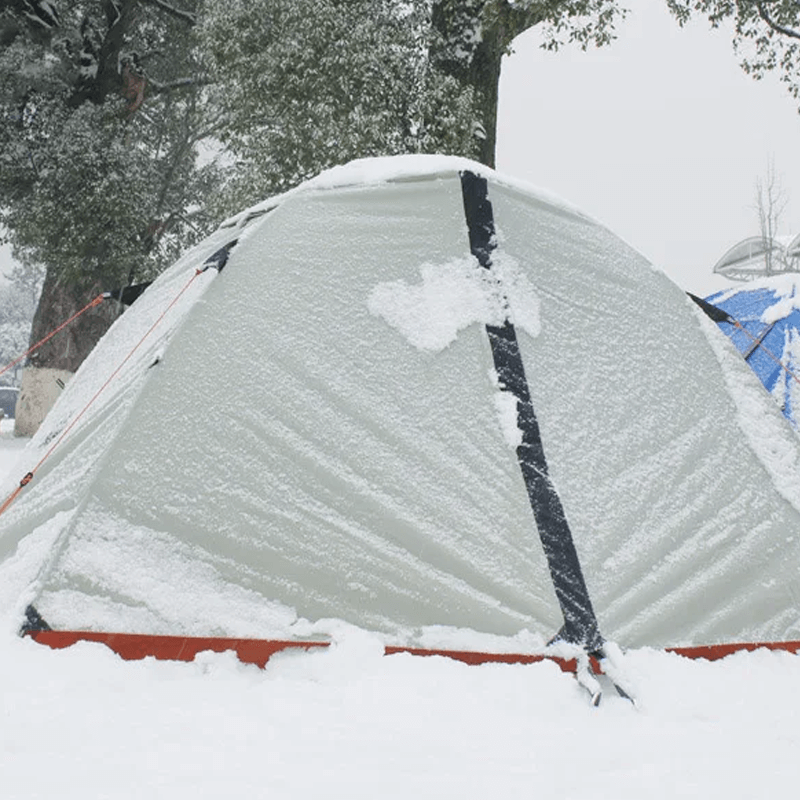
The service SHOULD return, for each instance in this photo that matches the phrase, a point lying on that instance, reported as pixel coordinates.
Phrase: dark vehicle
(8, 400)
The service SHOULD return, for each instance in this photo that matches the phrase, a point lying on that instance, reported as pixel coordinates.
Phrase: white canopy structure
(756, 257)
(336, 425)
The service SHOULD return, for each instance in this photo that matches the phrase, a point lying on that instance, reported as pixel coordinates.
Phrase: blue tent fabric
(769, 313)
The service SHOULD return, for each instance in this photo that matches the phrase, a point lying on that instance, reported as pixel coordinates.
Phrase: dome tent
(766, 331)
(366, 464)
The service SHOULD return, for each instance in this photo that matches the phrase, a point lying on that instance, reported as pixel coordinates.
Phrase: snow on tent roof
(768, 311)
(319, 432)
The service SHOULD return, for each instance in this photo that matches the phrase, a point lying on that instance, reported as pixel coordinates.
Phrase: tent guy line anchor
(580, 622)
(28, 477)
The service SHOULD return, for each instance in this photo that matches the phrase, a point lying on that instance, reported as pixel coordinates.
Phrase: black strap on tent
(126, 294)
(712, 311)
(720, 315)
(580, 623)
(219, 259)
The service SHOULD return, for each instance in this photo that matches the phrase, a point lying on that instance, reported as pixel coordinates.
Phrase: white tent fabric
(315, 433)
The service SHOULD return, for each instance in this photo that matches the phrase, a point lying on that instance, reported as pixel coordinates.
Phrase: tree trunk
(49, 368)
(471, 38)
(485, 78)
(58, 302)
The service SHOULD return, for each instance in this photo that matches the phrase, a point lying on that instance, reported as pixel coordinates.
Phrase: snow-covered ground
(348, 722)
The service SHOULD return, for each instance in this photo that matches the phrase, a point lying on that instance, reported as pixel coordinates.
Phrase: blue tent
(765, 328)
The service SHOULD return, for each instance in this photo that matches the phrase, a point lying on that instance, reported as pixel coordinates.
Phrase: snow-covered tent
(765, 329)
(397, 382)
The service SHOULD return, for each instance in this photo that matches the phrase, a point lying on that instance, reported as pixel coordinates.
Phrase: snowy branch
(765, 15)
(41, 13)
(181, 83)
(519, 17)
(177, 13)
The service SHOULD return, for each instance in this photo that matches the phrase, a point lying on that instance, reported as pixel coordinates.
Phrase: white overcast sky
(661, 136)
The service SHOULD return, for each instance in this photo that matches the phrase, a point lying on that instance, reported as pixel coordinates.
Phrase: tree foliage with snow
(102, 114)
(766, 33)
(19, 295)
(369, 77)
(472, 36)
(306, 84)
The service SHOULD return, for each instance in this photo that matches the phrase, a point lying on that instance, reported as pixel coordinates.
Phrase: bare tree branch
(771, 202)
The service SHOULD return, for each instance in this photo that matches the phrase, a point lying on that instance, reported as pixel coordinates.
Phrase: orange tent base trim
(134, 646)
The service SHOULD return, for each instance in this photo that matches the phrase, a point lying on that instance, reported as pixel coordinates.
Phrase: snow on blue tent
(765, 329)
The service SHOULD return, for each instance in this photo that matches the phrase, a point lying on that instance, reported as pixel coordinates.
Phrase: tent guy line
(125, 295)
(719, 315)
(33, 348)
(28, 477)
